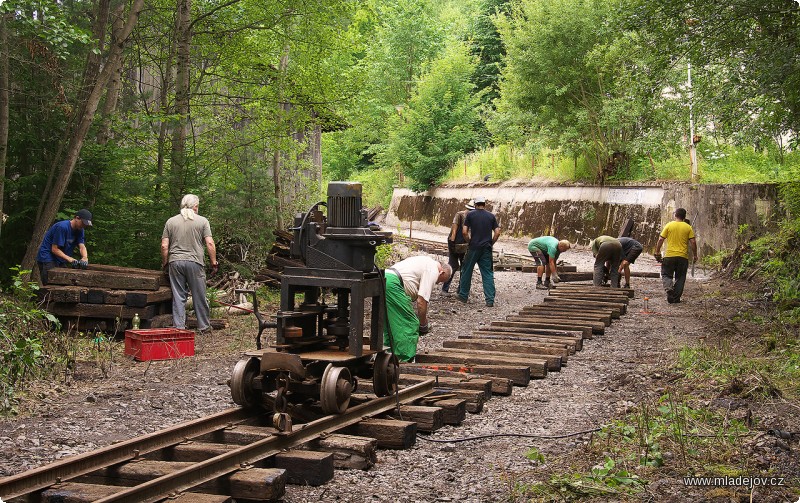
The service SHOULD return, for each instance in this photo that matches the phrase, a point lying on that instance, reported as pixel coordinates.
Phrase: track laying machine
(319, 352)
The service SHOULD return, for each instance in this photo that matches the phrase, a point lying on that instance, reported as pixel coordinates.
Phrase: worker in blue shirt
(60, 242)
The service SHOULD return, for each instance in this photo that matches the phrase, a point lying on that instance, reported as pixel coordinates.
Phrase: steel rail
(53, 473)
(210, 469)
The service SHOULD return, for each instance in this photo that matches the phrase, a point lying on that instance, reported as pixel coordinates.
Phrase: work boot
(548, 285)
(540, 286)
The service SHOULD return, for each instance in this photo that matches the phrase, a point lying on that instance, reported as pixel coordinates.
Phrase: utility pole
(692, 145)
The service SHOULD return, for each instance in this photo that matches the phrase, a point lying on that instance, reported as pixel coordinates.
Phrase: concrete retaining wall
(719, 213)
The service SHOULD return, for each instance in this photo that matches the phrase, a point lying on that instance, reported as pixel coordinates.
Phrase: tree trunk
(276, 154)
(83, 122)
(4, 103)
(183, 35)
(109, 106)
(166, 85)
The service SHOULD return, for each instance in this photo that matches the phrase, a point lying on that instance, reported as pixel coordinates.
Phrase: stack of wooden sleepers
(526, 345)
(105, 297)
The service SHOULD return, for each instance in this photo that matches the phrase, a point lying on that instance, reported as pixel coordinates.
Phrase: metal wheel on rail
(241, 382)
(335, 389)
(384, 374)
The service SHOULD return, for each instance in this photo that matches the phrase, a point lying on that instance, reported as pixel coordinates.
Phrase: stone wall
(721, 214)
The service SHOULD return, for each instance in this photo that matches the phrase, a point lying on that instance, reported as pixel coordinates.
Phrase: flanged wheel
(384, 374)
(335, 389)
(241, 382)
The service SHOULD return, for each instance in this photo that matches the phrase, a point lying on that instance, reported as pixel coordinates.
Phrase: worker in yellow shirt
(679, 235)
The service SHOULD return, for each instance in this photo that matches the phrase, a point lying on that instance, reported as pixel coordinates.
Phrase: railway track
(101, 475)
(238, 454)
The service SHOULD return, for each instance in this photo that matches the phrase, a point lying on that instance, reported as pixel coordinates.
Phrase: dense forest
(122, 106)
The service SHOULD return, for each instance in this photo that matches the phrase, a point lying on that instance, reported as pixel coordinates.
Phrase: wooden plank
(428, 419)
(538, 368)
(100, 279)
(64, 294)
(569, 346)
(190, 451)
(546, 332)
(499, 385)
(556, 308)
(108, 311)
(390, 433)
(585, 330)
(551, 363)
(74, 492)
(592, 288)
(616, 307)
(482, 385)
(454, 410)
(544, 314)
(254, 484)
(597, 327)
(304, 467)
(623, 299)
(519, 375)
(573, 342)
(142, 298)
(575, 276)
(350, 452)
(503, 346)
(608, 293)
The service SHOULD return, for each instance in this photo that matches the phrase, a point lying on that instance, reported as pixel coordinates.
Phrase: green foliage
(440, 123)
(608, 480)
(535, 455)
(573, 79)
(22, 330)
(486, 44)
(377, 185)
(746, 93)
(668, 432)
(384, 256)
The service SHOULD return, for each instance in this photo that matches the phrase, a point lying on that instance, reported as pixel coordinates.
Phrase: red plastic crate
(159, 343)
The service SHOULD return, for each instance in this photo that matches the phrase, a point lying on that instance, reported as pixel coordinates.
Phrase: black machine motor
(343, 241)
(319, 344)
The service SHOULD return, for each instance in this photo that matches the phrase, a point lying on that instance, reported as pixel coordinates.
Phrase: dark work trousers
(186, 276)
(455, 260)
(611, 252)
(673, 277)
(44, 267)
(482, 257)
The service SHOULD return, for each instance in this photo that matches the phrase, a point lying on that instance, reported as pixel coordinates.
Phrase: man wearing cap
(606, 250)
(182, 253)
(59, 242)
(456, 244)
(481, 231)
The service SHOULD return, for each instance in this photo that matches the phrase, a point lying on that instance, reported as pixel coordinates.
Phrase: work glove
(658, 257)
(424, 329)
(83, 264)
(214, 268)
(554, 277)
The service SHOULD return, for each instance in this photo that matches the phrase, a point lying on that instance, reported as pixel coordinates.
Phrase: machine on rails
(319, 351)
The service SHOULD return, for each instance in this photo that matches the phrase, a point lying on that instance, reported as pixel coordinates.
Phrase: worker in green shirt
(607, 253)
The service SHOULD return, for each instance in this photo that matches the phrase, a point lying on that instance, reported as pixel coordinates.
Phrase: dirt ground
(631, 363)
